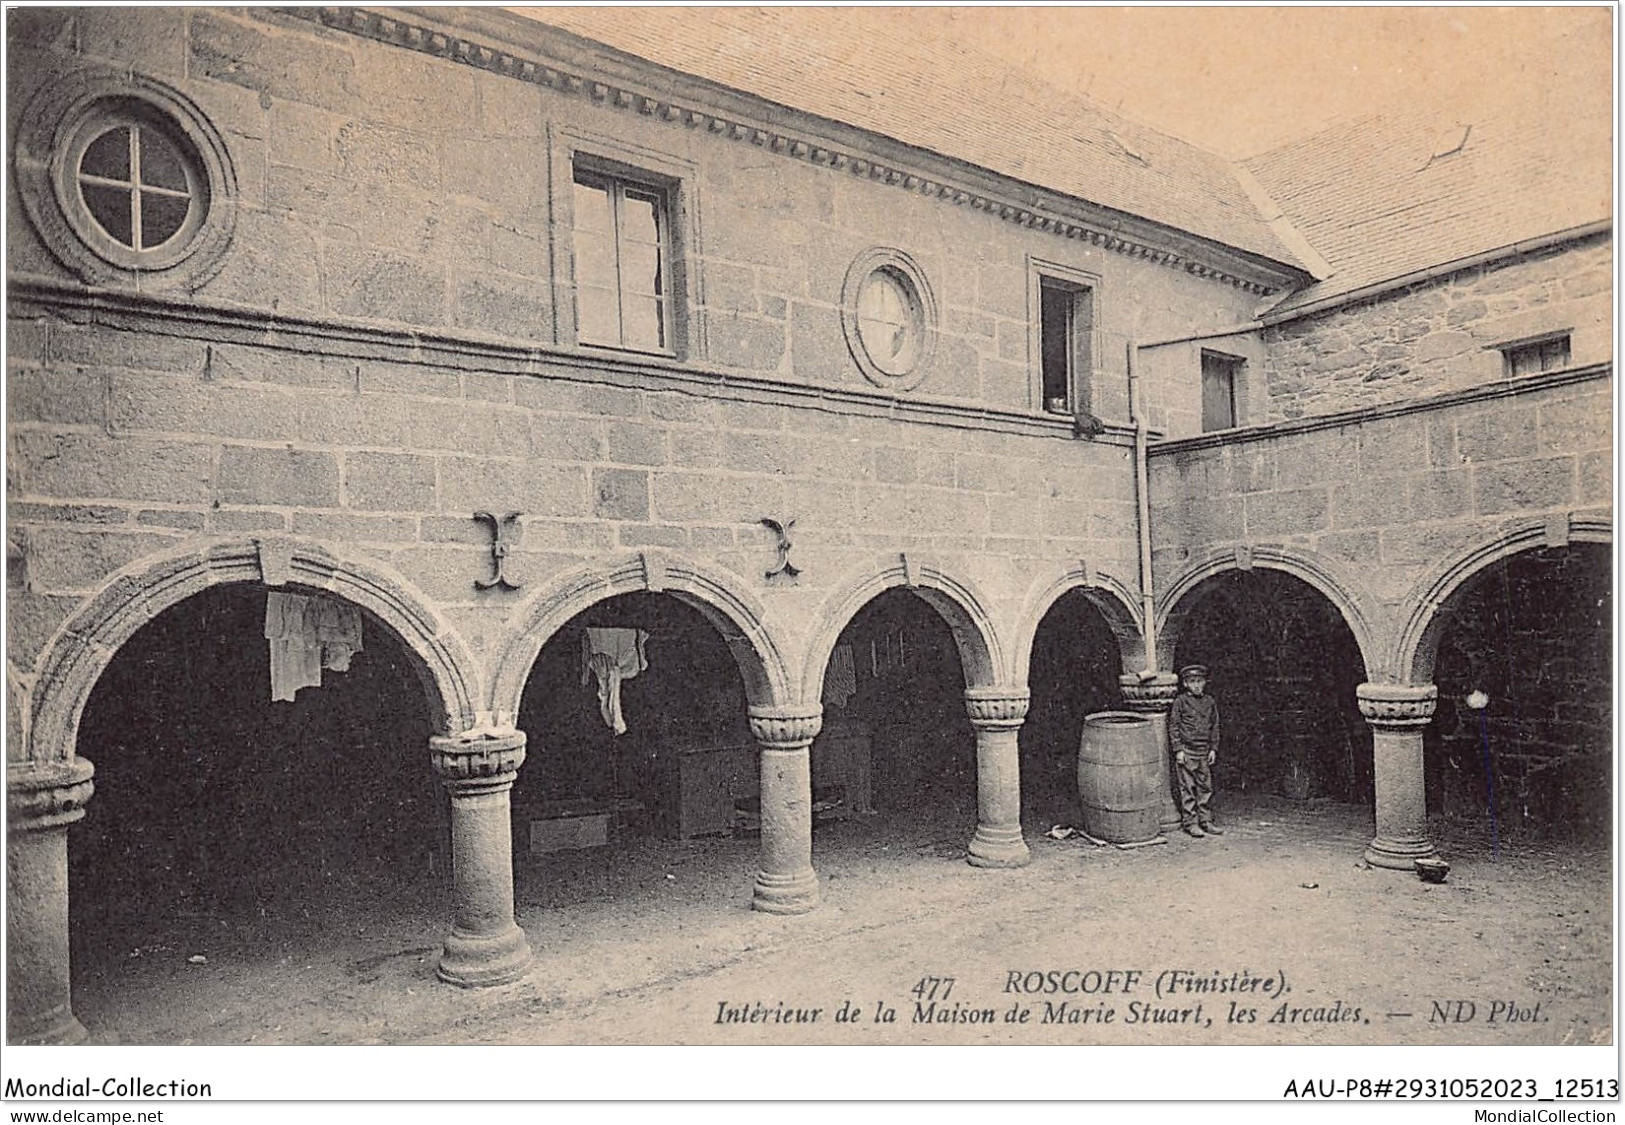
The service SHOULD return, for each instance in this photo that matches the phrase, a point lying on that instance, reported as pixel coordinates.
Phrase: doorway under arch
(1283, 665)
(227, 827)
(1533, 632)
(1073, 671)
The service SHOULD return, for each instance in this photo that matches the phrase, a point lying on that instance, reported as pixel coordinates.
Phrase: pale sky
(1238, 80)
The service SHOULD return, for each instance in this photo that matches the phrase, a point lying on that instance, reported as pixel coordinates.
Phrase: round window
(890, 318)
(141, 187)
(123, 176)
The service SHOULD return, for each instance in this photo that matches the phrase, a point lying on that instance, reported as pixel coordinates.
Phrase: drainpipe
(1142, 475)
(1136, 414)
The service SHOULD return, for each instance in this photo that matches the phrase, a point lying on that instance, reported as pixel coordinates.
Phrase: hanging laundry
(841, 677)
(307, 633)
(612, 656)
(296, 654)
(338, 628)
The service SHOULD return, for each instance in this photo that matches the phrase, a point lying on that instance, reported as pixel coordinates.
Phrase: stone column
(42, 799)
(1152, 698)
(1397, 715)
(485, 946)
(786, 883)
(997, 714)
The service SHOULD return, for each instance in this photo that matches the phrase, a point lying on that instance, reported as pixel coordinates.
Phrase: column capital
(996, 708)
(1397, 706)
(1149, 696)
(42, 795)
(473, 764)
(788, 727)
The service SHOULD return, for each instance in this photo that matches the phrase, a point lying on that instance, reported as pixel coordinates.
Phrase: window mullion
(135, 187)
(616, 199)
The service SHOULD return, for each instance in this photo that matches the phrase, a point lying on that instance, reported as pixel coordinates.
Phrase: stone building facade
(313, 301)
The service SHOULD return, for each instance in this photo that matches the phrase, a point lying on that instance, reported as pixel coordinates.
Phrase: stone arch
(964, 609)
(84, 645)
(1107, 593)
(1312, 569)
(1426, 610)
(719, 595)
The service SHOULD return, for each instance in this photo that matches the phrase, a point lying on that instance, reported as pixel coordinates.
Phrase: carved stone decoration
(1397, 706)
(997, 708)
(467, 764)
(1152, 696)
(786, 728)
(276, 561)
(501, 532)
(1558, 528)
(47, 795)
(654, 572)
(785, 567)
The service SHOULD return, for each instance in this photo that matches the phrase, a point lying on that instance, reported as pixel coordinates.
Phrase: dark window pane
(1218, 392)
(1055, 343)
(110, 207)
(108, 155)
(161, 218)
(161, 162)
(1555, 355)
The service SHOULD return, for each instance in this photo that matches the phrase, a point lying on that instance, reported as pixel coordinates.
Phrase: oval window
(889, 321)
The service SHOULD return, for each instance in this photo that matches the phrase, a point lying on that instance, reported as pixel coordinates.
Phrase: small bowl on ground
(1432, 870)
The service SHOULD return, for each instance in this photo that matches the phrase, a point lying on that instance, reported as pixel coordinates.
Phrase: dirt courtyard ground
(652, 942)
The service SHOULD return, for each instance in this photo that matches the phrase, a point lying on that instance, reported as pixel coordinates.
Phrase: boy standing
(1193, 734)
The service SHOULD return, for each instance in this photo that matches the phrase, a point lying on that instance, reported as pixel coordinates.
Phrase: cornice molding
(341, 337)
(436, 33)
(1505, 388)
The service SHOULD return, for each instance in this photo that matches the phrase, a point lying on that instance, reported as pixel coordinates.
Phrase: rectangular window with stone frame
(1533, 357)
(1066, 345)
(1221, 375)
(622, 257)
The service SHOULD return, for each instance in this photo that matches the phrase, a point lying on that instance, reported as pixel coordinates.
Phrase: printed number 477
(932, 988)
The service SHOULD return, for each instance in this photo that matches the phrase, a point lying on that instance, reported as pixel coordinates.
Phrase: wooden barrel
(1119, 761)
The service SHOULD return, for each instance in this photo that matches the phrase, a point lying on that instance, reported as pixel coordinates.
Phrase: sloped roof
(1386, 196)
(875, 70)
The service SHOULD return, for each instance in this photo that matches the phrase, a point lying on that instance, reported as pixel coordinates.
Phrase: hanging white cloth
(306, 634)
(612, 656)
(296, 654)
(338, 629)
(841, 677)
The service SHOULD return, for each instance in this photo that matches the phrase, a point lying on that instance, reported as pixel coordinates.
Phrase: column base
(785, 894)
(482, 960)
(1398, 855)
(998, 847)
(53, 1029)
